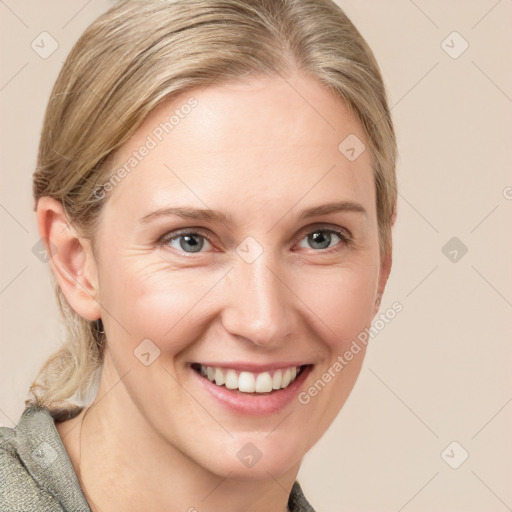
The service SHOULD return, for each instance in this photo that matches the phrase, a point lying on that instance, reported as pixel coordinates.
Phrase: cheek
(158, 297)
(342, 307)
(342, 300)
(152, 300)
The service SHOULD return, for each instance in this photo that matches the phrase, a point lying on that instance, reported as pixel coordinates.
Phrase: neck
(121, 461)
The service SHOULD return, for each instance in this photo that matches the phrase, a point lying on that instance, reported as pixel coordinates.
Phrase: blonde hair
(142, 52)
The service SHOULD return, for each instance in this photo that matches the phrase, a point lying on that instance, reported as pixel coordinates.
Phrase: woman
(216, 190)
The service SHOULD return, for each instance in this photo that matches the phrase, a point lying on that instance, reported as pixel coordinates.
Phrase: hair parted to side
(143, 52)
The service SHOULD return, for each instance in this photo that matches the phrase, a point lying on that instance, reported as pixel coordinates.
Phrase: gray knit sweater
(36, 474)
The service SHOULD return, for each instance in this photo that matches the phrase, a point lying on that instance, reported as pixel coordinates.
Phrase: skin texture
(154, 438)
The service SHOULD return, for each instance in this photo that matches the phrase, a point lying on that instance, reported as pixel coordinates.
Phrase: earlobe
(71, 258)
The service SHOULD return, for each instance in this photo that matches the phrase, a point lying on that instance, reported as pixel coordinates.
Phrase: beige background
(440, 371)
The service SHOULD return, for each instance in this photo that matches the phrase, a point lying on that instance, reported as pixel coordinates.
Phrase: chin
(250, 455)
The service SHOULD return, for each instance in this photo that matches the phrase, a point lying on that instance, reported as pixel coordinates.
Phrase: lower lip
(255, 404)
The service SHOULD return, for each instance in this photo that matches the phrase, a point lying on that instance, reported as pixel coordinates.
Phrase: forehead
(273, 139)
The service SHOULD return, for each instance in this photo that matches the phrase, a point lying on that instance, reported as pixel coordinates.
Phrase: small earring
(377, 301)
(98, 324)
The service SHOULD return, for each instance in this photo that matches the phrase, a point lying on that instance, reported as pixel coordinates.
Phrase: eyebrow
(215, 216)
(341, 206)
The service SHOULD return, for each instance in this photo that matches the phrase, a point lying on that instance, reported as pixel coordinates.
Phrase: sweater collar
(41, 450)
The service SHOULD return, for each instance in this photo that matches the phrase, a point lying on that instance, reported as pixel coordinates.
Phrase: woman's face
(245, 281)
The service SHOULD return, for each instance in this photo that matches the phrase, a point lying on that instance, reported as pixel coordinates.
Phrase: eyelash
(346, 238)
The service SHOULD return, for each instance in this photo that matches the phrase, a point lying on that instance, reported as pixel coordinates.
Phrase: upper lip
(252, 367)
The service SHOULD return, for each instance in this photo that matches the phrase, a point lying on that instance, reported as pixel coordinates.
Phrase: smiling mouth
(250, 382)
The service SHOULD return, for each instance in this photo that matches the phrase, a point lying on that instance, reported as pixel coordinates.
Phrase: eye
(322, 238)
(193, 242)
(189, 241)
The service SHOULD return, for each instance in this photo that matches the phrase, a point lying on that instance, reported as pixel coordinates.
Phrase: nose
(258, 303)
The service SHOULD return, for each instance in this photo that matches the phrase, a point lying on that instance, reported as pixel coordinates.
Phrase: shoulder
(35, 471)
(19, 490)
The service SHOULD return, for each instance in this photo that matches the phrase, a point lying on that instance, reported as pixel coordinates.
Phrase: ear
(71, 258)
(385, 269)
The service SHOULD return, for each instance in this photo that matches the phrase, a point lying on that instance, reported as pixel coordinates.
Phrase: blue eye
(322, 238)
(188, 242)
(193, 242)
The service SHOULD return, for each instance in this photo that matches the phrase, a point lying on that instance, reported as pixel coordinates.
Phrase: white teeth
(231, 379)
(248, 382)
(219, 377)
(263, 383)
(287, 377)
(277, 379)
